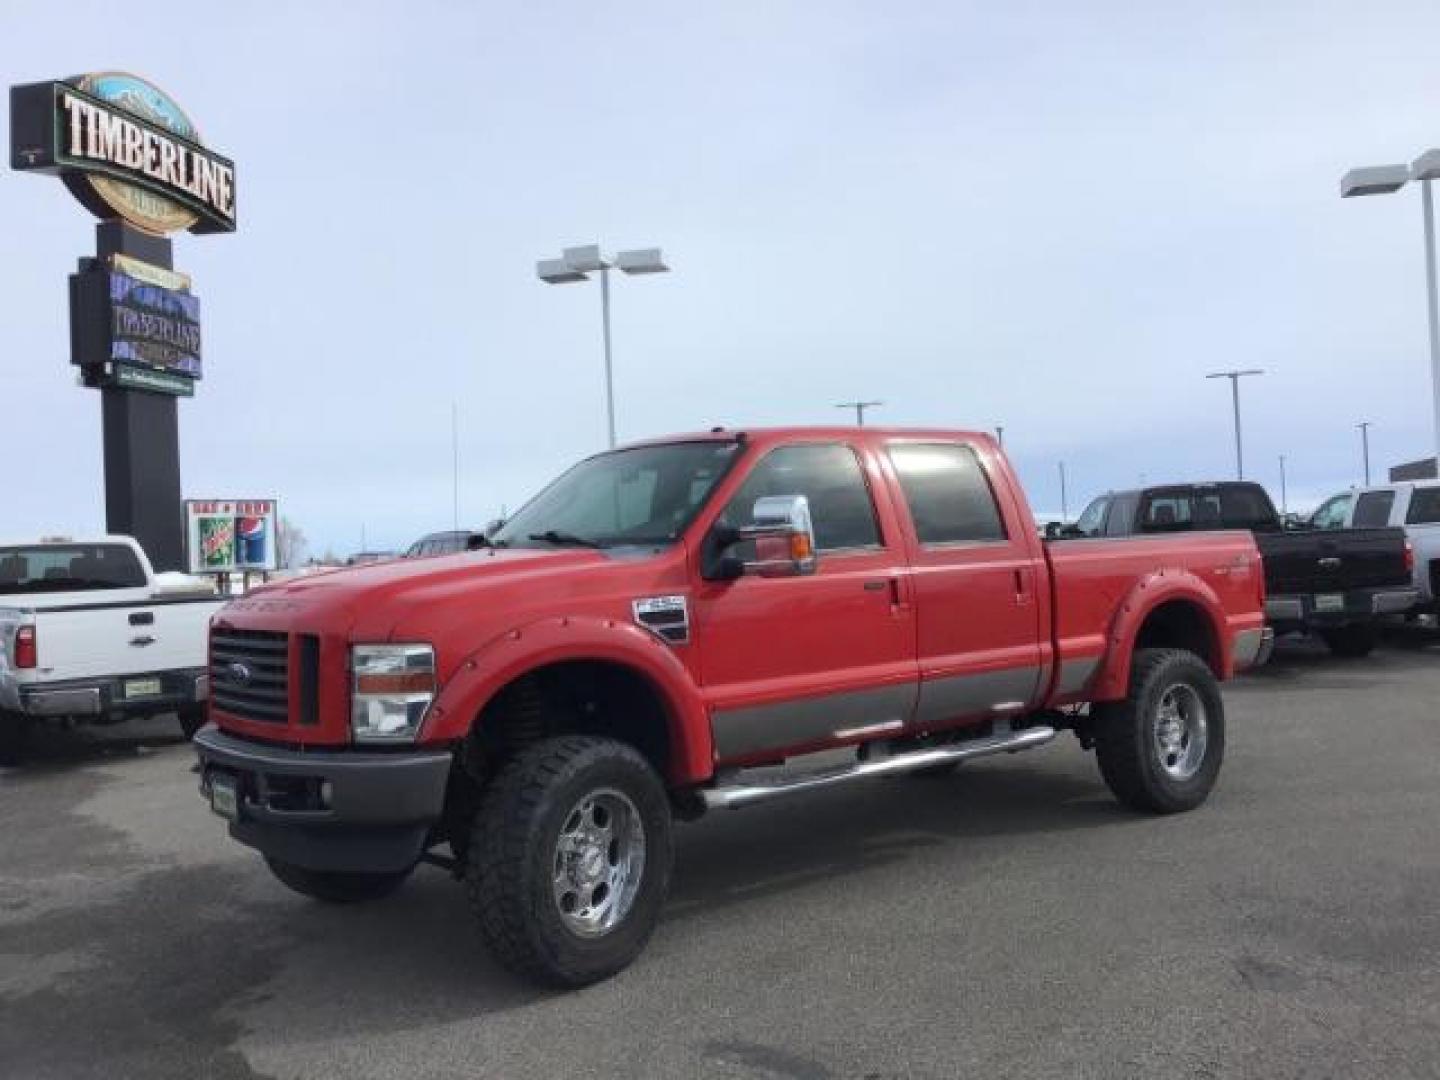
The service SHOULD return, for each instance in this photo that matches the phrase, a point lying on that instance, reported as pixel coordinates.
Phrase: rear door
(791, 663)
(977, 571)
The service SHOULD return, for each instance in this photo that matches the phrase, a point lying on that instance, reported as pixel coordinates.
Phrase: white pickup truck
(90, 633)
(1413, 505)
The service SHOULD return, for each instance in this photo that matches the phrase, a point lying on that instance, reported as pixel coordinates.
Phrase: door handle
(874, 586)
(1022, 587)
(142, 640)
(142, 618)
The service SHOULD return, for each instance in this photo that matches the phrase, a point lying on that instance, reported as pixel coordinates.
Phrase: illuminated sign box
(135, 327)
(230, 536)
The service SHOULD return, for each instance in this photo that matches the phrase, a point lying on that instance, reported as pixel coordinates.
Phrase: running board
(734, 796)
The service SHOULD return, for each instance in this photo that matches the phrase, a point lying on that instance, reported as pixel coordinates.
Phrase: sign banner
(124, 147)
(227, 536)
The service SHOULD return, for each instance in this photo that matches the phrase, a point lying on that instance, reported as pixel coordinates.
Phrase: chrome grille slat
(265, 695)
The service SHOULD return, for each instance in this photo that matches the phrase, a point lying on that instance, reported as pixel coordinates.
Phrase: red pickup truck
(665, 624)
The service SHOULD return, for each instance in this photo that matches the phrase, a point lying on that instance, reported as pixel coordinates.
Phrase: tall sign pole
(131, 156)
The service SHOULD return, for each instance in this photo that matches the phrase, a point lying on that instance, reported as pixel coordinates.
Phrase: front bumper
(1337, 609)
(336, 810)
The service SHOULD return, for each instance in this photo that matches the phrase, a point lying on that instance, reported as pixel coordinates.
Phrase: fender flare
(1147, 594)
(489, 669)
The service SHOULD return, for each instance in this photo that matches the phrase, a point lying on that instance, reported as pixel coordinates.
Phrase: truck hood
(366, 602)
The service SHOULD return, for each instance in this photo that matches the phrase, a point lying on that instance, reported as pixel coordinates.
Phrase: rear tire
(192, 719)
(1161, 748)
(14, 737)
(335, 886)
(1352, 641)
(569, 860)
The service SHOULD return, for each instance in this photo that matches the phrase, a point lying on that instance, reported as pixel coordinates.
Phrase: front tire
(1350, 641)
(1160, 749)
(569, 860)
(335, 886)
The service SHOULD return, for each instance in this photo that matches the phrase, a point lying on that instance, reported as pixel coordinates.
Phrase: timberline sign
(124, 148)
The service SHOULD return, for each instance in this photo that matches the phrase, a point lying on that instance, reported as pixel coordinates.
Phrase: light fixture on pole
(577, 264)
(859, 407)
(1000, 435)
(1364, 427)
(1235, 377)
(1384, 180)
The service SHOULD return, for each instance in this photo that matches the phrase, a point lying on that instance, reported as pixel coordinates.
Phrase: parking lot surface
(1010, 920)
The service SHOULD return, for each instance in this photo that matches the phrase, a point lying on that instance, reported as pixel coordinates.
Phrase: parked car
(90, 633)
(666, 620)
(1413, 506)
(1337, 584)
(441, 543)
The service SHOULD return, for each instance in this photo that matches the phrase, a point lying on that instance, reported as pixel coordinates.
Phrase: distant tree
(290, 544)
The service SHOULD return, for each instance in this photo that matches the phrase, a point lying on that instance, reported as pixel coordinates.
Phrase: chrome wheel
(599, 862)
(1180, 731)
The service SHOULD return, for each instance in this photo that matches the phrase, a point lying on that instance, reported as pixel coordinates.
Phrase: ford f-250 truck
(89, 633)
(665, 619)
(1338, 585)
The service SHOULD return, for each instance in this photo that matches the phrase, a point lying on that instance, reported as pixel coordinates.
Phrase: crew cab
(1336, 584)
(90, 633)
(693, 624)
(1413, 506)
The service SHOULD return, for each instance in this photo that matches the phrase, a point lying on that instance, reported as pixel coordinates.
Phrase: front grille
(250, 674)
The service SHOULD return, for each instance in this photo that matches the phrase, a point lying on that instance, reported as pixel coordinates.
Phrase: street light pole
(1064, 508)
(1432, 306)
(609, 363)
(1385, 180)
(577, 264)
(1364, 427)
(859, 407)
(1284, 502)
(1235, 377)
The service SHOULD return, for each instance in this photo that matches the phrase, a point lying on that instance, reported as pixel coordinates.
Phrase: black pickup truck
(1336, 583)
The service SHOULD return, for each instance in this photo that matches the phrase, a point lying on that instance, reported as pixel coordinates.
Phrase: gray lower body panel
(1009, 690)
(761, 728)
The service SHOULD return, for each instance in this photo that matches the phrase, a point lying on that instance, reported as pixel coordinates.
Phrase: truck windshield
(52, 568)
(644, 495)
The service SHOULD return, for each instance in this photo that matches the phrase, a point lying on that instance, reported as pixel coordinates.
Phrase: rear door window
(1372, 509)
(949, 496)
(1424, 506)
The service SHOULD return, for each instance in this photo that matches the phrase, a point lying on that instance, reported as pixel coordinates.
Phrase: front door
(793, 663)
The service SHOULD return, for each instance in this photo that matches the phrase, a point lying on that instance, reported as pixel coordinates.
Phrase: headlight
(392, 687)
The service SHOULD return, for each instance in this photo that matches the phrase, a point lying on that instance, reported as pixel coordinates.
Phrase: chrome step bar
(734, 796)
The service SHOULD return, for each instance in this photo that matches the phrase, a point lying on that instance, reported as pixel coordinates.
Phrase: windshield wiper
(565, 539)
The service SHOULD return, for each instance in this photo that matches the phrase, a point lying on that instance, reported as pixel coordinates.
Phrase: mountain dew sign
(124, 148)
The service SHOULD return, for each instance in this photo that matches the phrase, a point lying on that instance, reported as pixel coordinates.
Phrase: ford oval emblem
(240, 674)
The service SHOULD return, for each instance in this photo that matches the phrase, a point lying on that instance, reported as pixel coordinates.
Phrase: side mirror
(784, 540)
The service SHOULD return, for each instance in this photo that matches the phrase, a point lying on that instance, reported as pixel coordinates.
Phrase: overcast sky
(1052, 216)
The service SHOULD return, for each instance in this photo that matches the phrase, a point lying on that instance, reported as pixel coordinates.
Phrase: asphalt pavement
(1010, 920)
